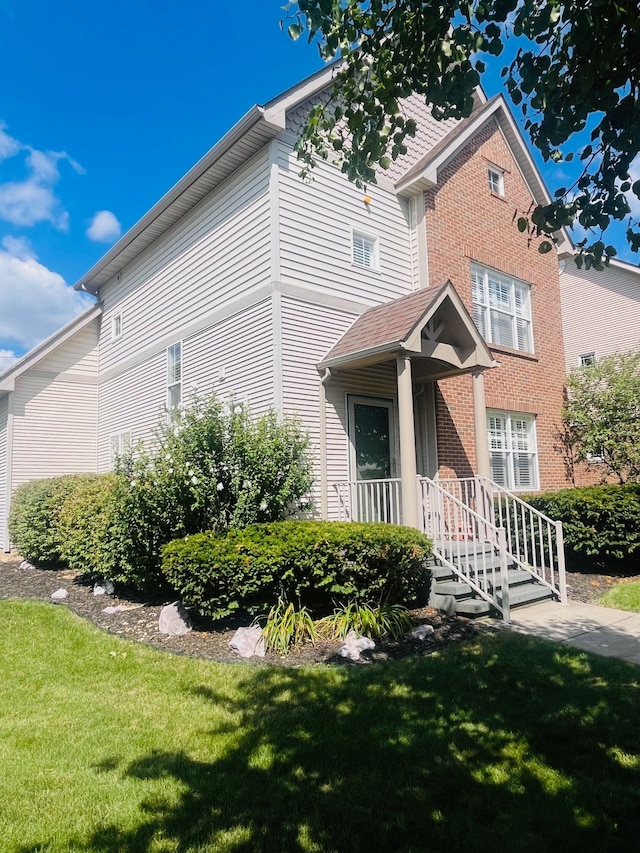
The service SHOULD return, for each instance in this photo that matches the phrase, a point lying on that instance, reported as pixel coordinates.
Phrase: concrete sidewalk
(613, 633)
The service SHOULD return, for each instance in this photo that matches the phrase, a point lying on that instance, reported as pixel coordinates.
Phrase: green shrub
(35, 514)
(601, 525)
(213, 468)
(85, 526)
(314, 564)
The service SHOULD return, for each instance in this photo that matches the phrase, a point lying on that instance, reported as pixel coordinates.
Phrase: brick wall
(465, 223)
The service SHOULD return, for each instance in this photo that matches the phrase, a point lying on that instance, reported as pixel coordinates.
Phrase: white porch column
(408, 470)
(480, 421)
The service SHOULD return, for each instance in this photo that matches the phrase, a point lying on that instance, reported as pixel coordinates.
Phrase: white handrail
(468, 543)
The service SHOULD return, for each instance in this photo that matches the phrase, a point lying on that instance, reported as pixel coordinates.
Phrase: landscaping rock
(174, 620)
(355, 645)
(248, 642)
(420, 632)
(59, 594)
(25, 565)
(104, 588)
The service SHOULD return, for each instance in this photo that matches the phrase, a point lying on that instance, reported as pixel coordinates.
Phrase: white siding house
(49, 411)
(600, 310)
(313, 298)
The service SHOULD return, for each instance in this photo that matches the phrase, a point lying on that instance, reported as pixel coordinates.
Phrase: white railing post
(504, 574)
(562, 577)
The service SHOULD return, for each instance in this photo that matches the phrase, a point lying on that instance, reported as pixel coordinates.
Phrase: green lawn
(505, 744)
(624, 596)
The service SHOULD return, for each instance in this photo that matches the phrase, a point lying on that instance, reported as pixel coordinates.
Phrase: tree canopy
(573, 69)
(602, 415)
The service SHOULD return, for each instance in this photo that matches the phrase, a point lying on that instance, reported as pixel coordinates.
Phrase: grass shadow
(511, 742)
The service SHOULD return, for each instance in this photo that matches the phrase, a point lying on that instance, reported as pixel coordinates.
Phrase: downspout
(324, 486)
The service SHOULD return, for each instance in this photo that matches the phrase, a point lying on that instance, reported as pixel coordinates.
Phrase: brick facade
(466, 223)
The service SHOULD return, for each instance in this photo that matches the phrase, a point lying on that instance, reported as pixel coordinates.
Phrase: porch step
(451, 594)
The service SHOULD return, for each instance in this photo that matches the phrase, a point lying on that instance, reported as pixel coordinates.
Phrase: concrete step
(527, 594)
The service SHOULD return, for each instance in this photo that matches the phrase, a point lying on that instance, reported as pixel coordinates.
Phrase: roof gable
(432, 323)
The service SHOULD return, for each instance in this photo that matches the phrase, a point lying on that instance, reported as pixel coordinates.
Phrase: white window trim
(486, 308)
(587, 355)
(173, 384)
(375, 254)
(116, 321)
(510, 451)
(499, 175)
(118, 443)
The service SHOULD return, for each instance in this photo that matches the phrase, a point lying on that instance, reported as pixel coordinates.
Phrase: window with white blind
(174, 377)
(512, 449)
(119, 443)
(364, 250)
(502, 309)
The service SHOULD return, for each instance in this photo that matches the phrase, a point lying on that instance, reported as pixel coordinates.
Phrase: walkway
(613, 633)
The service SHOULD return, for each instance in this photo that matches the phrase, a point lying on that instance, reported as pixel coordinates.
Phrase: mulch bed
(138, 620)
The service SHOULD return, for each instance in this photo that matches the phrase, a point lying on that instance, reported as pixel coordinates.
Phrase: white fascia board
(304, 90)
(273, 117)
(30, 359)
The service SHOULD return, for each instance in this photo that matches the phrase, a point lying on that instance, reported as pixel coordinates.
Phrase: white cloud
(104, 227)
(8, 145)
(32, 200)
(34, 301)
(7, 359)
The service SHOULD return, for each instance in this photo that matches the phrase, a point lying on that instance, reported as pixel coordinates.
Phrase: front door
(371, 440)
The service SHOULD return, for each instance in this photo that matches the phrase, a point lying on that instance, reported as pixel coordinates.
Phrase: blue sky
(103, 107)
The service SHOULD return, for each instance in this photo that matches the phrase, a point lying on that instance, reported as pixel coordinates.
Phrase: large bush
(601, 525)
(309, 563)
(35, 515)
(86, 526)
(602, 415)
(213, 468)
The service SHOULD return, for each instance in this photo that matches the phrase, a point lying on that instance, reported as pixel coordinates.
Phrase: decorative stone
(25, 565)
(174, 620)
(104, 588)
(355, 645)
(59, 594)
(111, 610)
(421, 631)
(248, 642)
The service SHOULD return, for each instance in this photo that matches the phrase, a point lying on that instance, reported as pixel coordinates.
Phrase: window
(502, 309)
(365, 250)
(116, 327)
(512, 450)
(587, 359)
(174, 377)
(119, 443)
(496, 182)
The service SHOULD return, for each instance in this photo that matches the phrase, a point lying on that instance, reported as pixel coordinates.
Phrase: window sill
(527, 356)
(363, 268)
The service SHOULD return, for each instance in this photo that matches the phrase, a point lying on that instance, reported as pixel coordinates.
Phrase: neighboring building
(413, 329)
(600, 316)
(600, 311)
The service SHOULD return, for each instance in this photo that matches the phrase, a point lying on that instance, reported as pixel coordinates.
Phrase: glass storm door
(371, 443)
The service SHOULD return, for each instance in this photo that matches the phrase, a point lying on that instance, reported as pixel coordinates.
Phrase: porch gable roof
(406, 326)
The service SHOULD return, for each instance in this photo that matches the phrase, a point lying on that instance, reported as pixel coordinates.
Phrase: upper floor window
(496, 181)
(364, 250)
(174, 377)
(512, 449)
(502, 309)
(116, 327)
(587, 359)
